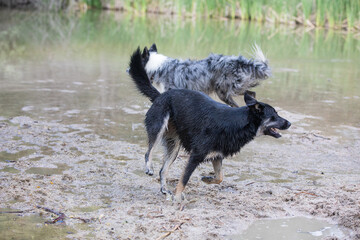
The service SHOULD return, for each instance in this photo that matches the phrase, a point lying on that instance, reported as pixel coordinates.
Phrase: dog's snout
(285, 124)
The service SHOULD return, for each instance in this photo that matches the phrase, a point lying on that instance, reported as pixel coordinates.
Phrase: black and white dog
(208, 130)
(227, 76)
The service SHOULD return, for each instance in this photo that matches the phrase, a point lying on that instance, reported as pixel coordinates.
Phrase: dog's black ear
(251, 93)
(249, 99)
(153, 48)
(252, 103)
(145, 54)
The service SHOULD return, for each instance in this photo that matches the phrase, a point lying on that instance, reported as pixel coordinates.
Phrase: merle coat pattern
(227, 76)
(208, 130)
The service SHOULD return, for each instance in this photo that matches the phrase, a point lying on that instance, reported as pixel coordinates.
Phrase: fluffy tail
(262, 70)
(140, 78)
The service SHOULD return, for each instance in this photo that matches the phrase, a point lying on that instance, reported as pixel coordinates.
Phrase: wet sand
(72, 170)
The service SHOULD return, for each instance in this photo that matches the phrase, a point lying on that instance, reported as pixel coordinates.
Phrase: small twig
(61, 218)
(49, 210)
(171, 231)
(315, 135)
(82, 219)
(249, 183)
(313, 194)
(155, 216)
(182, 206)
(2, 212)
(184, 203)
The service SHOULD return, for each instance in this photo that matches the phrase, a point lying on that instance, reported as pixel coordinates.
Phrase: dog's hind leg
(172, 147)
(193, 162)
(149, 169)
(155, 134)
(219, 175)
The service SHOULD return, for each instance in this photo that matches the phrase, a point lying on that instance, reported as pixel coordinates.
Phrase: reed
(321, 13)
(343, 14)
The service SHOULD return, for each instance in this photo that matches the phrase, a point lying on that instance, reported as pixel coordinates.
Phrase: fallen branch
(61, 216)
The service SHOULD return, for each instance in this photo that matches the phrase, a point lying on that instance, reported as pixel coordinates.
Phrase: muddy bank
(70, 169)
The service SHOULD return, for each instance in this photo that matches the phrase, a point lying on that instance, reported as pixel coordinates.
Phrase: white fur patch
(159, 86)
(213, 155)
(262, 127)
(155, 61)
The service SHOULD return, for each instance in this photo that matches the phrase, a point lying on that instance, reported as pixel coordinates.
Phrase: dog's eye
(272, 118)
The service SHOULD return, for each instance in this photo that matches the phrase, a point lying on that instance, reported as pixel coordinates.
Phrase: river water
(71, 67)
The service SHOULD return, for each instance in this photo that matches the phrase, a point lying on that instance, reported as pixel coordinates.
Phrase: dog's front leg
(217, 164)
(230, 101)
(193, 162)
(227, 99)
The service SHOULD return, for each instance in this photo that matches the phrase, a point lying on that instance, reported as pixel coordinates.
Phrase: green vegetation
(343, 14)
(113, 30)
(338, 14)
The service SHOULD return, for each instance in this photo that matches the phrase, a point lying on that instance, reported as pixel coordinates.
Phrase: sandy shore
(70, 169)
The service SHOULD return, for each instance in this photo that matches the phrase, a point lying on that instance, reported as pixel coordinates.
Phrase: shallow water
(13, 157)
(30, 227)
(298, 228)
(48, 171)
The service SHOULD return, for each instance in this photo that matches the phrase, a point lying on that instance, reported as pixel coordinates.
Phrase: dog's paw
(178, 198)
(169, 196)
(209, 180)
(149, 171)
(165, 191)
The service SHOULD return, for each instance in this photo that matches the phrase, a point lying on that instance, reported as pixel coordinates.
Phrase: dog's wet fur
(208, 130)
(227, 76)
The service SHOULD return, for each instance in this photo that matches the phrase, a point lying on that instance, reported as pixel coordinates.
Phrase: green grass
(321, 13)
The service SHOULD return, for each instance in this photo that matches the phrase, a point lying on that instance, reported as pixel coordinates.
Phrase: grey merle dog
(208, 130)
(227, 76)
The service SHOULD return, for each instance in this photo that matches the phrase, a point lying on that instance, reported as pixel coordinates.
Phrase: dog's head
(152, 60)
(145, 56)
(270, 120)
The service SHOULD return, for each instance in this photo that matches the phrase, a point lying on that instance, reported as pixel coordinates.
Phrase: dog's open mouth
(272, 132)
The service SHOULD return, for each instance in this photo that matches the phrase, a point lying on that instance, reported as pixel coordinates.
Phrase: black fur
(138, 72)
(208, 130)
